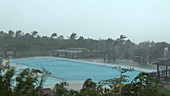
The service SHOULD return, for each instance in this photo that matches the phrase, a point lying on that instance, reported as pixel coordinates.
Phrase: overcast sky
(139, 20)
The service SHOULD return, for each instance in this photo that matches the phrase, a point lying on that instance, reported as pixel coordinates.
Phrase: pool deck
(75, 86)
(125, 63)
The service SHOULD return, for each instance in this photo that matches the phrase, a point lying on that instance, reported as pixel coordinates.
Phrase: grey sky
(139, 20)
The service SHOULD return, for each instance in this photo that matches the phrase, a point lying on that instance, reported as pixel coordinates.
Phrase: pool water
(71, 70)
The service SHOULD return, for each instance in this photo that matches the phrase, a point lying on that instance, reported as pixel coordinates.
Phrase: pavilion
(163, 73)
(74, 53)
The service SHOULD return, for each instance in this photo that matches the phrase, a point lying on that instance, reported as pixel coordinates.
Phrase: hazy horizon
(139, 20)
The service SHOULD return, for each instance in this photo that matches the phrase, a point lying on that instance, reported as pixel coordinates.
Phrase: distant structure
(11, 52)
(109, 55)
(73, 53)
(145, 58)
(165, 52)
(162, 73)
(139, 59)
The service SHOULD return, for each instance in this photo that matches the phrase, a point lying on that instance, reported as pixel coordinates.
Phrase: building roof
(162, 62)
(68, 51)
(48, 91)
(45, 91)
(71, 50)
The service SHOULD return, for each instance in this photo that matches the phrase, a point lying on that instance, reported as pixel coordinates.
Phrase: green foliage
(113, 85)
(142, 85)
(61, 90)
(19, 83)
(89, 85)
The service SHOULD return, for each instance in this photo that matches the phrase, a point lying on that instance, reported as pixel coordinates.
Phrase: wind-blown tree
(142, 85)
(119, 46)
(34, 33)
(21, 83)
(115, 83)
(89, 85)
(89, 88)
(54, 35)
(18, 33)
(73, 36)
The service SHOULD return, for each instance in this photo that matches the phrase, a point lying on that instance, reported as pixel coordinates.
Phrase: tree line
(31, 44)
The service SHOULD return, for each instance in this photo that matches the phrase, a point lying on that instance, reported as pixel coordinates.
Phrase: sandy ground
(75, 86)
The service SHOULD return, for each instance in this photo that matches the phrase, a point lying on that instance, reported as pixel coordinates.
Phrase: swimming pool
(71, 70)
